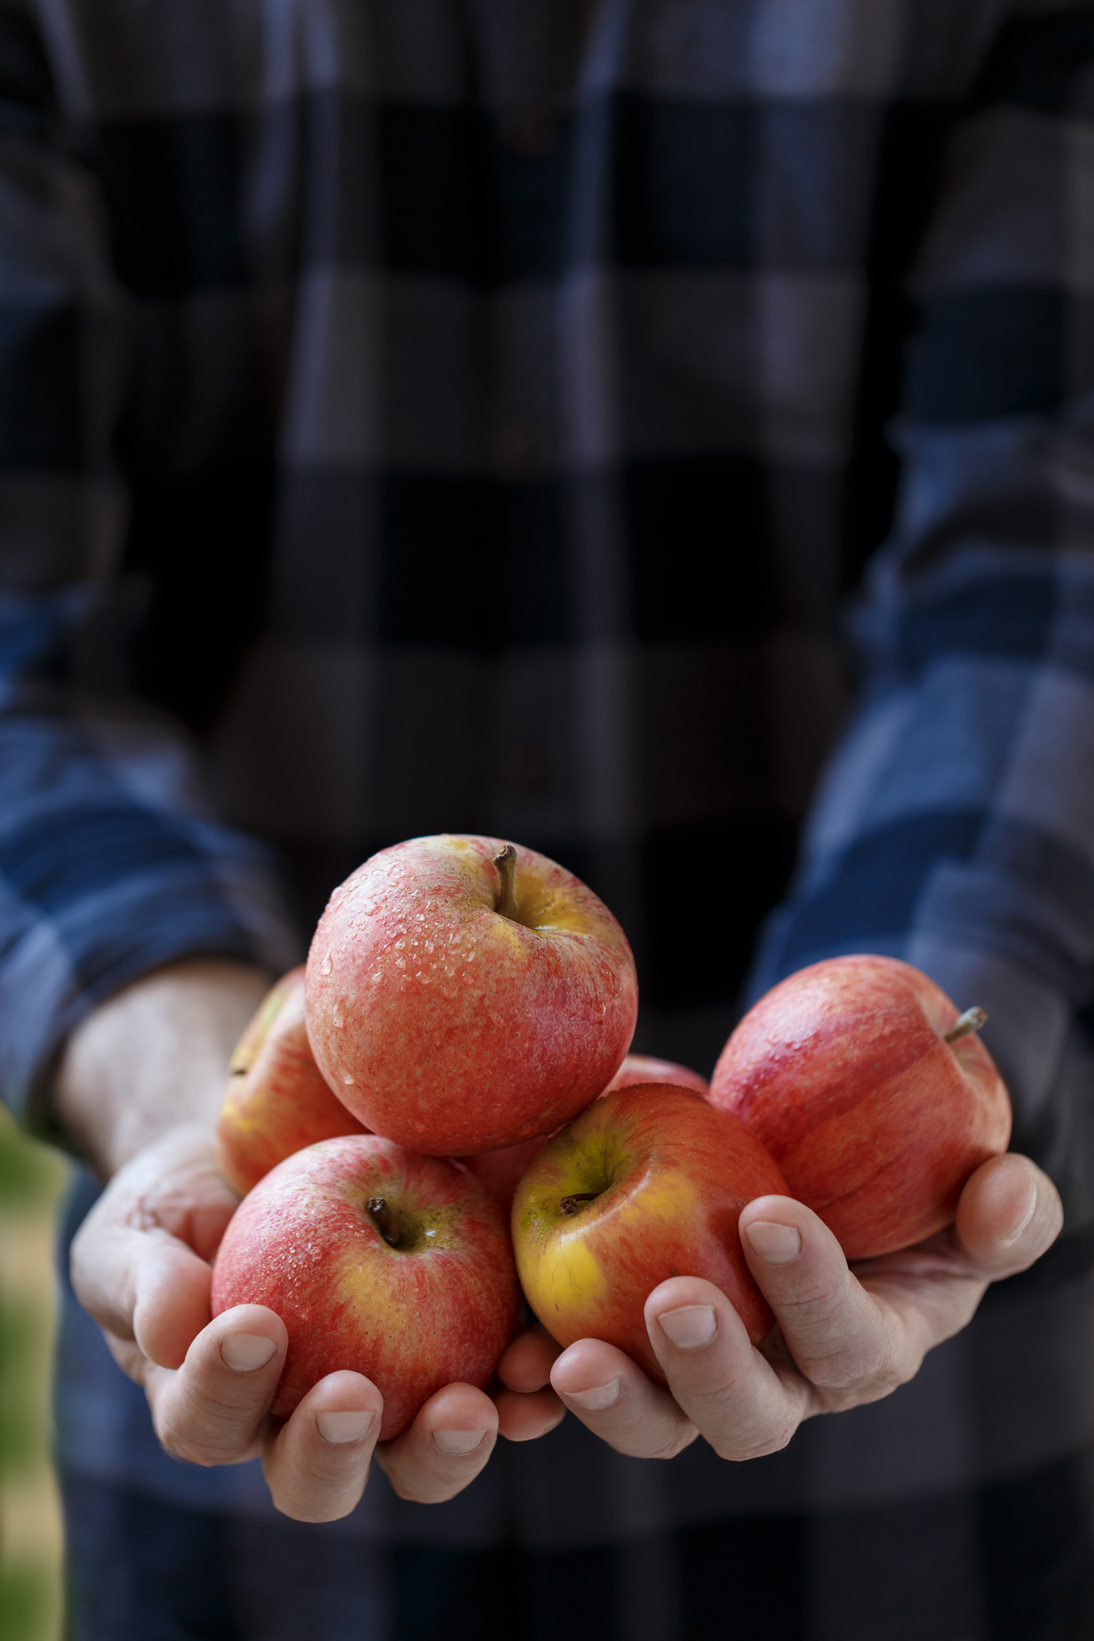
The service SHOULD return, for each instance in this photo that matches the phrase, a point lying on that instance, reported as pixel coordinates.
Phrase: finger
(1008, 1215)
(840, 1334)
(616, 1401)
(524, 1416)
(211, 1410)
(527, 1363)
(527, 1406)
(743, 1404)
(445, 1448)
(317, 1463)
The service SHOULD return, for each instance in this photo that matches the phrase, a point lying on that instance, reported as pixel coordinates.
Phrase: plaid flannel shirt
(468, 414)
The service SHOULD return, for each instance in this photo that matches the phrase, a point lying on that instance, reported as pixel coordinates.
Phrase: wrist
(153, 1058)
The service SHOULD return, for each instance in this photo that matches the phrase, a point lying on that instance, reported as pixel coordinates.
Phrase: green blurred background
(31, 1181)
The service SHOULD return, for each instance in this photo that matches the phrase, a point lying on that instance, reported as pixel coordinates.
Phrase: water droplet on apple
(328, 964)
(347, 1079)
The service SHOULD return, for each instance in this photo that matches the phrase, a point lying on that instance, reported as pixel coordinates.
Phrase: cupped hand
(142, 1267)
(845, 1335)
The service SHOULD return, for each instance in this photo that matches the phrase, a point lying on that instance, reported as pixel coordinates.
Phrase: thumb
(141, 1285)
(171, 1303)
(137, 1265)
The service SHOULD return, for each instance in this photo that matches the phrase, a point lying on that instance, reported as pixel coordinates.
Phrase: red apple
(394, 1265)
(648, 1183)
(464, 994)
(501, 1171)
(643, 1068)
(876, 1112)
(277, 1100)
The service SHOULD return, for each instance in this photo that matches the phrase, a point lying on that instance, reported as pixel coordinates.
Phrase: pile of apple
(441, 1110)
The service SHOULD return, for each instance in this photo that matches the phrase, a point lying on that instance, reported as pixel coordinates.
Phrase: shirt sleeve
(111, 862)
(955, 827)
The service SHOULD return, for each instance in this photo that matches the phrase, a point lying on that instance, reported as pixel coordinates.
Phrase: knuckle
(837, 1371)
(778, 1436)
(325, 1476)
(648, 1434)
(675, 1445)
(442, 1495)
(418, 1490)
(719, 1393)
(417, 1480)
(206, 1436)
(195, 1442)
(891, 1378)
(298, 1496)
(184, 1447)
(897, 1372)
(813, 1302)
(296, 1510)
(836, 1367)
(863, 1381)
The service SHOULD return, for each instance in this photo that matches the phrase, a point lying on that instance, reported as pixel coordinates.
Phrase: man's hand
(845, 1336)
(142, 1266)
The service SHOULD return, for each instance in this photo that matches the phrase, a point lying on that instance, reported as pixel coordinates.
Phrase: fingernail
(691, 1327)
(597, 1399)
(339, 1428)
(1031, 1209)
(244, 1352)
(776, 1244)
(458, 1441)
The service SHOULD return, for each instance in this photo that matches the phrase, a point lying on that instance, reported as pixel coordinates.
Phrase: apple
(501, 1171)
(874, 1096)
(277, 1100)
(648, 1183)
(465, 994)
(394, 1265)
(644, 1068)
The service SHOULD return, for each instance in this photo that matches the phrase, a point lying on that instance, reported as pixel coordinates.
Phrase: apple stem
(506, 864)
(384, 1220)
(971, 1020)
(570, 1205)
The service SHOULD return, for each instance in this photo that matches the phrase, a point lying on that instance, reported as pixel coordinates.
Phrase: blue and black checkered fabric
(1001, 1562)
(471, 415)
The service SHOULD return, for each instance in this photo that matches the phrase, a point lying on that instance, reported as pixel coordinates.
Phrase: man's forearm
(154, 1057)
